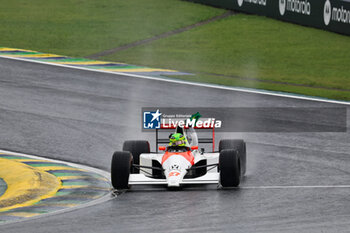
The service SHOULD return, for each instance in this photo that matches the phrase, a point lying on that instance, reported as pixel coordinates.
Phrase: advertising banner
(331, 15)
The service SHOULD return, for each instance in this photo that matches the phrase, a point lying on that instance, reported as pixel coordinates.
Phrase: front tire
(230, 171)
(136, 147)
(240, 146)
(120, 170)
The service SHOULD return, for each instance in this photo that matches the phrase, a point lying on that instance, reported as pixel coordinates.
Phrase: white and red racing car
(178, 166)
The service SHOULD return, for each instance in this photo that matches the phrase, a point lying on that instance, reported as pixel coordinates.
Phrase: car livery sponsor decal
(174, 174)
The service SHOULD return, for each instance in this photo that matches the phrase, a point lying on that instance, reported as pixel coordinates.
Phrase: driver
(178, 139)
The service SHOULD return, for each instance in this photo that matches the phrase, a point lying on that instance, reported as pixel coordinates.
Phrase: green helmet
(177, 139)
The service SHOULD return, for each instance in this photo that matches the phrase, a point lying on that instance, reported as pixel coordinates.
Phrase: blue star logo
(151, 120)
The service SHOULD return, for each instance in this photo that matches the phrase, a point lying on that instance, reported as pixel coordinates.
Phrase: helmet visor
(179, 142)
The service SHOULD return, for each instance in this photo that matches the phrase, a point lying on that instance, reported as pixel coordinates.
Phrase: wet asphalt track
(83, 116)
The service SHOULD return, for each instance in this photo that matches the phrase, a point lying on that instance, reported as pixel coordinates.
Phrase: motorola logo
(327, 12)
(296, 6)
(282, 4)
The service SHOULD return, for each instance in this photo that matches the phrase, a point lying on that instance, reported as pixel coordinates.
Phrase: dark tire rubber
(240, 146)
(120, 170)
(229, 165)
(136, 148)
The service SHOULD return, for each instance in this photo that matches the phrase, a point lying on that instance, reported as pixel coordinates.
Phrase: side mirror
(162, 148)
(194, 147)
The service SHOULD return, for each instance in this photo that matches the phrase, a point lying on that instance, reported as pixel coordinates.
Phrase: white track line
(100, 200)
(296, 187)
(255, 91)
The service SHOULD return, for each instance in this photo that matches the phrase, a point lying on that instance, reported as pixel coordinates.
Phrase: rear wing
(207, 140)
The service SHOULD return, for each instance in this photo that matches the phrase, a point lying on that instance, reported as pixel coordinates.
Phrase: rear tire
(120, 170)
(136, 147)
(229, 165)
(240, 146)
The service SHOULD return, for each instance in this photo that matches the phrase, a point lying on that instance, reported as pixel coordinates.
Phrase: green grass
(238, 82)
(83, 27)
(254, 47)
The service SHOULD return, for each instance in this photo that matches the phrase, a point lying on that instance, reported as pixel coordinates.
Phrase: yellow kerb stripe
(53, 168)
(34, 55)
(25, 185)
(12, 49)
(22, 214)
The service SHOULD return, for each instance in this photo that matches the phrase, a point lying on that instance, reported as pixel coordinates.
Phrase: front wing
(209, 178)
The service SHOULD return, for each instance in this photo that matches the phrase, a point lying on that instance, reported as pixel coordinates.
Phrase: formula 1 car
(177, 166)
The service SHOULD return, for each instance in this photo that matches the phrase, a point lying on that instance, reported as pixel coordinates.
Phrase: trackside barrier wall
(331, 15)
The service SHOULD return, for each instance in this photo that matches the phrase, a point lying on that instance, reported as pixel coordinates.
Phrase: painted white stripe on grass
(238, 89)
(100, 200)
